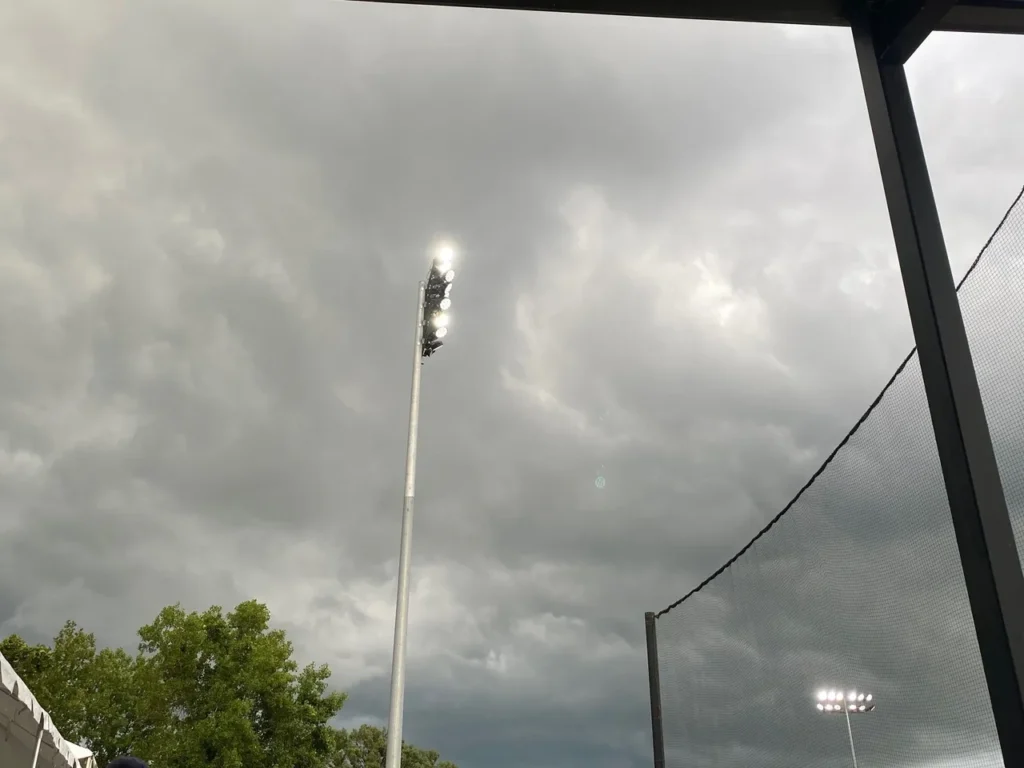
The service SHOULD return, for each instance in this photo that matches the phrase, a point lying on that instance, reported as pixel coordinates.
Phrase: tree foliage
(204, 690)
(366, 747)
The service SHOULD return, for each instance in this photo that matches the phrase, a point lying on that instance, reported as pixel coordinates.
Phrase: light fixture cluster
(854, 702)
(437, 300)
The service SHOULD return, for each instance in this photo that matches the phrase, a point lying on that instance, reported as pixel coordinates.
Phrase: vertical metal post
(394, 746)
(988, 554)
(654, 677)
(39, 740)
(849, 731)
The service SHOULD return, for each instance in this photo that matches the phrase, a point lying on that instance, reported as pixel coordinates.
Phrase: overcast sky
(676, 273)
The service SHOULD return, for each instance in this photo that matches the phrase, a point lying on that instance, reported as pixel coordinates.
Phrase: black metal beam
(654, 679)
(1005, 16)
(816, 12)
(900, 27)
(998, 16)
(984, 534)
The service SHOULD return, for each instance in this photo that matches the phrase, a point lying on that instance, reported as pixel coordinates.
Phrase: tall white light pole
(833, 701)
(432, 302)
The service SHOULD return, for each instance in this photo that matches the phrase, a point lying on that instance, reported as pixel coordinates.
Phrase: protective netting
(857, 586)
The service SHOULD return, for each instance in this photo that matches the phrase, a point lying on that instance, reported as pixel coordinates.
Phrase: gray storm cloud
(675, 269)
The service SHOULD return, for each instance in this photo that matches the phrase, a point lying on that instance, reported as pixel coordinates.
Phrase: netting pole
(654, 678)
(977, 504)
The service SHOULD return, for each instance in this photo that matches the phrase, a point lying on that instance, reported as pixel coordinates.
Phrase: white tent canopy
(25, 728)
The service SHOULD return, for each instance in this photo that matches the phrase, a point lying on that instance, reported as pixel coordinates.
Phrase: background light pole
(432, 302)
(834, 701)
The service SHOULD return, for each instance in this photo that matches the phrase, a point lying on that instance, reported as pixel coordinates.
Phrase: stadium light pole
(834, 701)
(432, 304)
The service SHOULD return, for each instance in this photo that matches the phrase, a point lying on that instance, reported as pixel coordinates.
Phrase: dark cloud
(676, 273)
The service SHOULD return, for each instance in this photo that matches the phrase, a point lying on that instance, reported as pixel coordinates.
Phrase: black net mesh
(857, 586)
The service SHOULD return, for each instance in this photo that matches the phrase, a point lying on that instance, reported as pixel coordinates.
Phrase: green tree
(29, 661)
(60, 677)
(366, 747)
(206, 690)
(114, 721)
(223, 691)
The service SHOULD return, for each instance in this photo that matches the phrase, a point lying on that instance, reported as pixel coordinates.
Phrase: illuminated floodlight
(832, 700)
(445, 256)
(437, 299)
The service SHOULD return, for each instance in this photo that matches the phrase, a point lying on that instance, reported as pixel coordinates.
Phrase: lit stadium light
(445, 257)
(838, 701)
(437, 300)
(833, 702)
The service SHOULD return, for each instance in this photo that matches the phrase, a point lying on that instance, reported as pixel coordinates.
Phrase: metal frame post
(984, 533)
(39, 740)
(654, 677)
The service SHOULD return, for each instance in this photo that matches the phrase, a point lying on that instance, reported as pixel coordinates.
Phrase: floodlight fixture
(445, 257)
(437, 300)
(833, 701)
